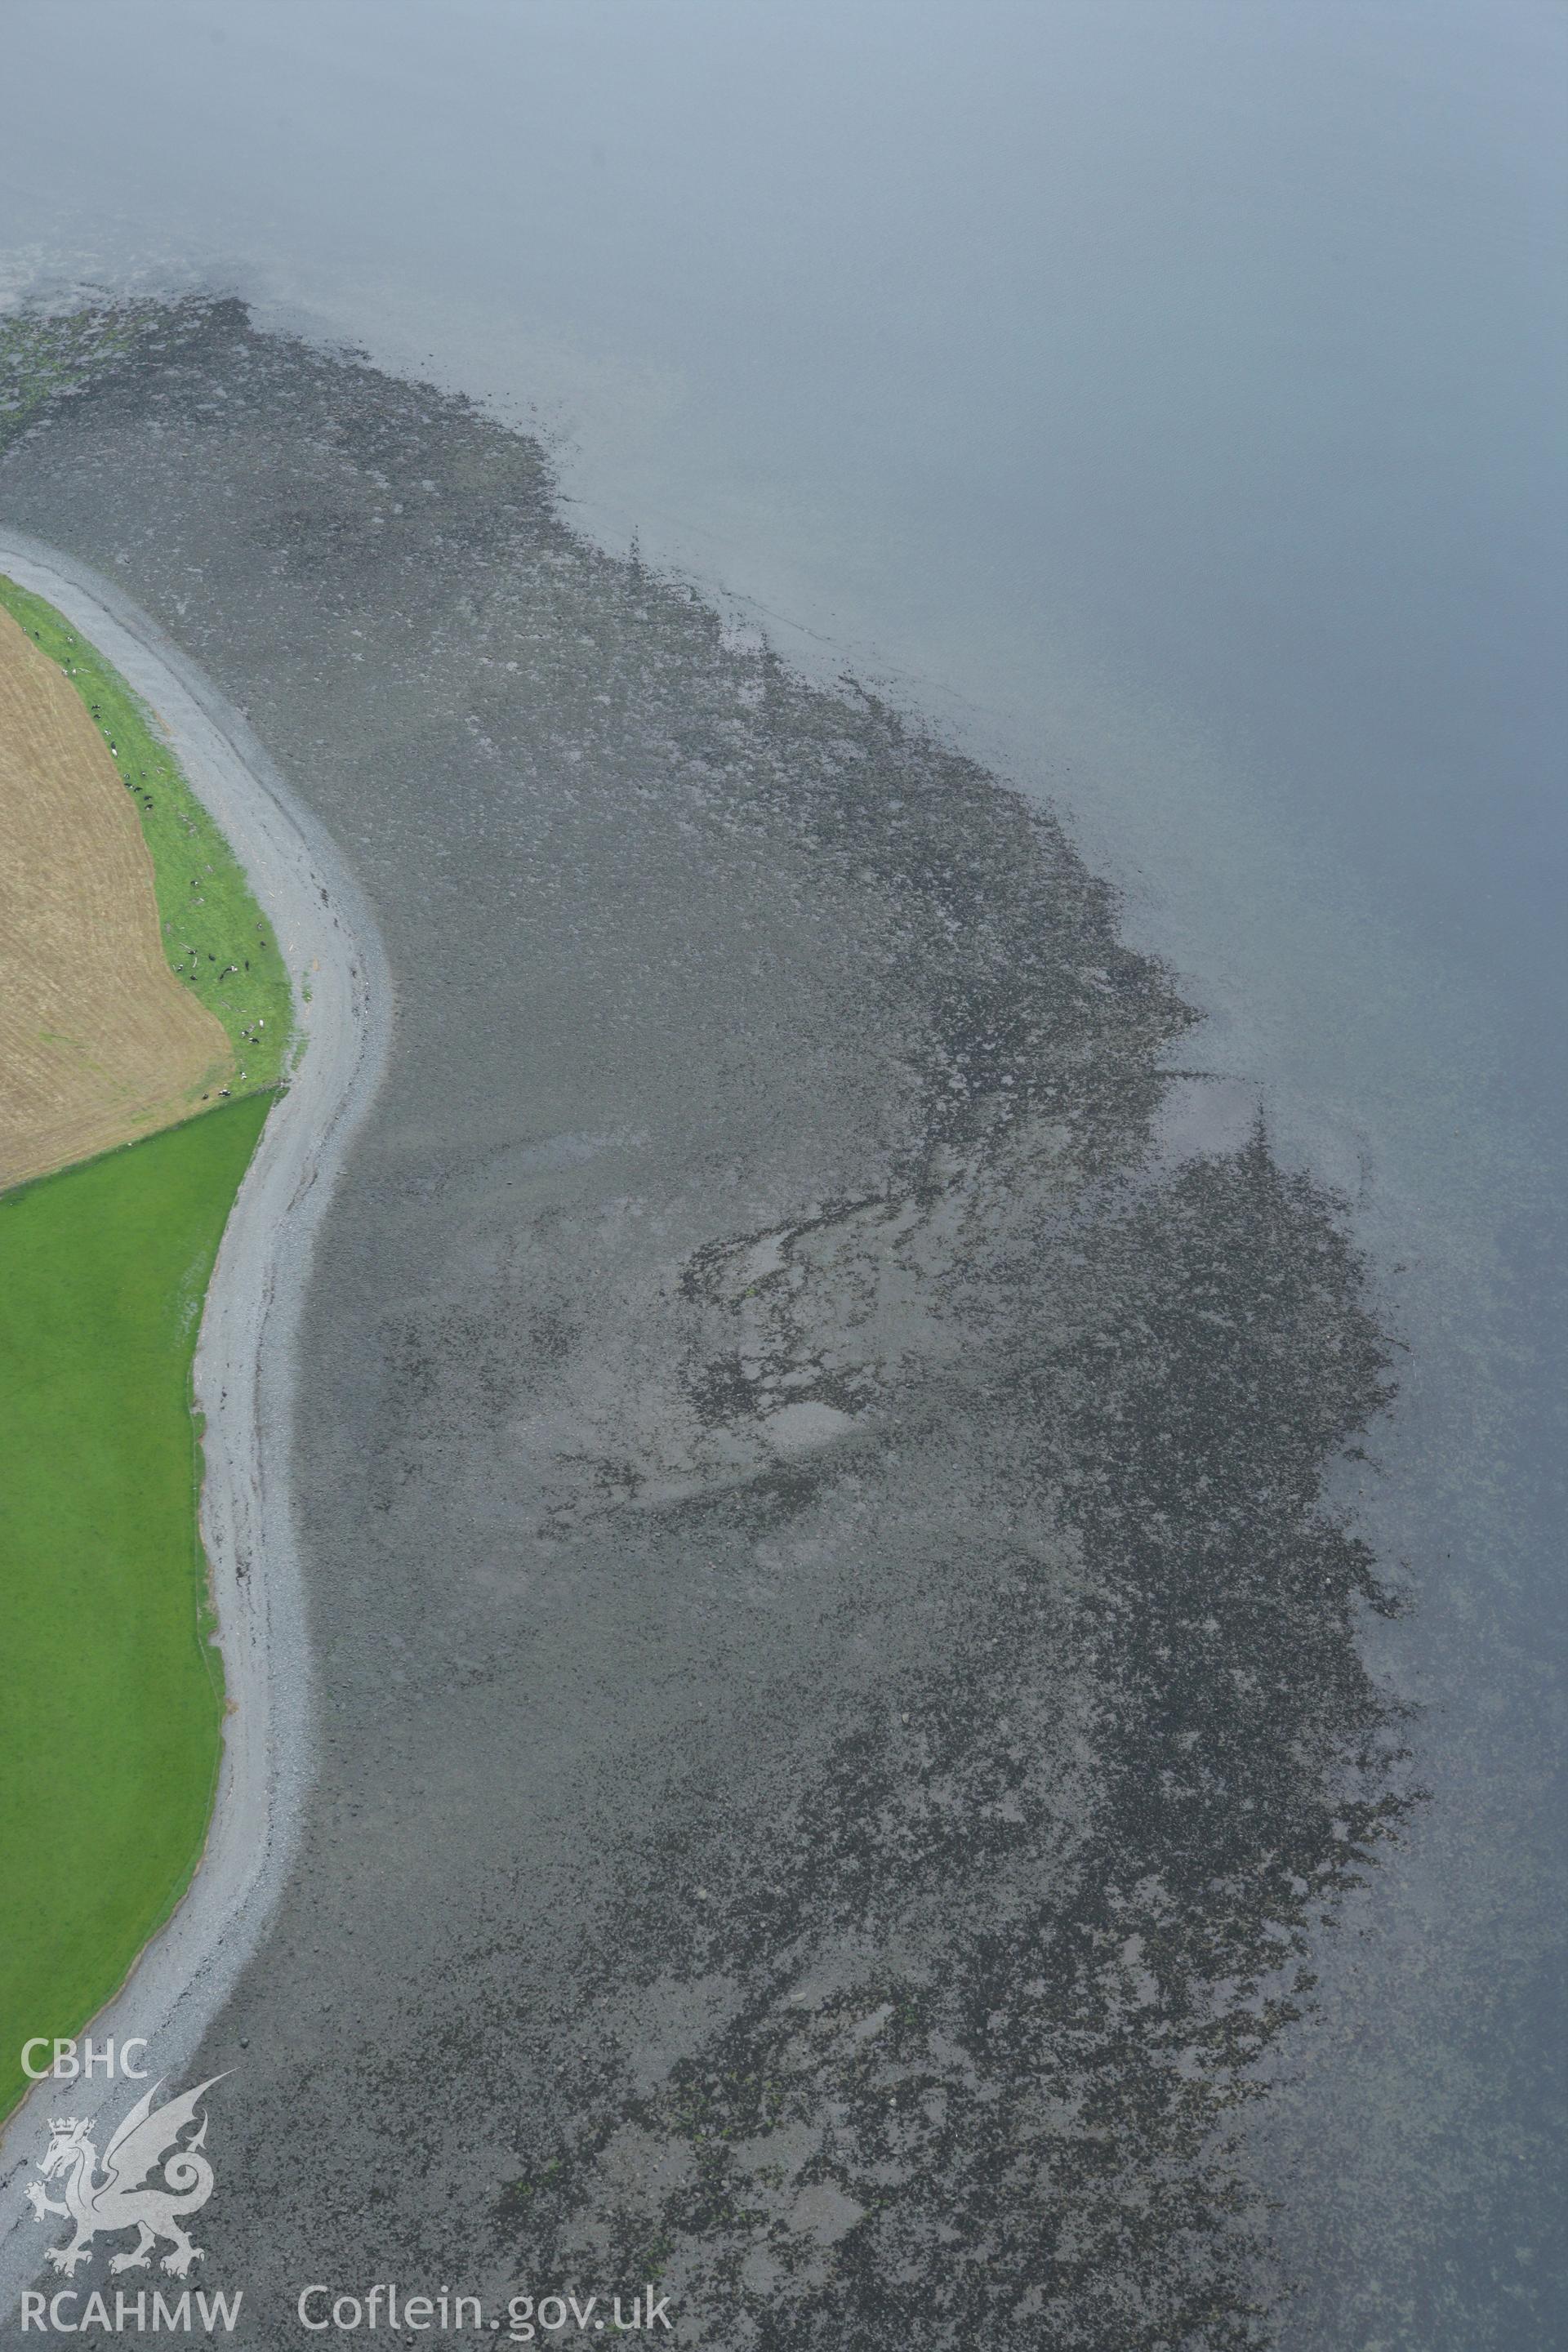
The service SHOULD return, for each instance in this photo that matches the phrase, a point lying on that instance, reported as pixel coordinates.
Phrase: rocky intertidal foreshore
(843, 1717)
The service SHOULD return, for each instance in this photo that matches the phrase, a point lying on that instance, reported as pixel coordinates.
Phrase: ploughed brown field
(100, 1043)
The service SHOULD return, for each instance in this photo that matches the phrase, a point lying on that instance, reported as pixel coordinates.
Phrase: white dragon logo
(122, 2198)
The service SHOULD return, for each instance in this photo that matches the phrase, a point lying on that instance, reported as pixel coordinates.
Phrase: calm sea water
(1166, 398)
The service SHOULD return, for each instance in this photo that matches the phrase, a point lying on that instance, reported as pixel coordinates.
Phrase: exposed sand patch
(100, 1043)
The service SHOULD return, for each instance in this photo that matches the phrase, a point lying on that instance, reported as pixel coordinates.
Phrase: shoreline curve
(245, 1361)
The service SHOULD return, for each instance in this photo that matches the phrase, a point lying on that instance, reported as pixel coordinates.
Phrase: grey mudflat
(841, 1711)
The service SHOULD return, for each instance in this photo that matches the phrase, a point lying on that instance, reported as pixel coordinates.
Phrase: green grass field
(110, 1690)
(214, 935)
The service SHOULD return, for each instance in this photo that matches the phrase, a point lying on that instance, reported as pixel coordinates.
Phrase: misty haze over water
(1165, 400)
